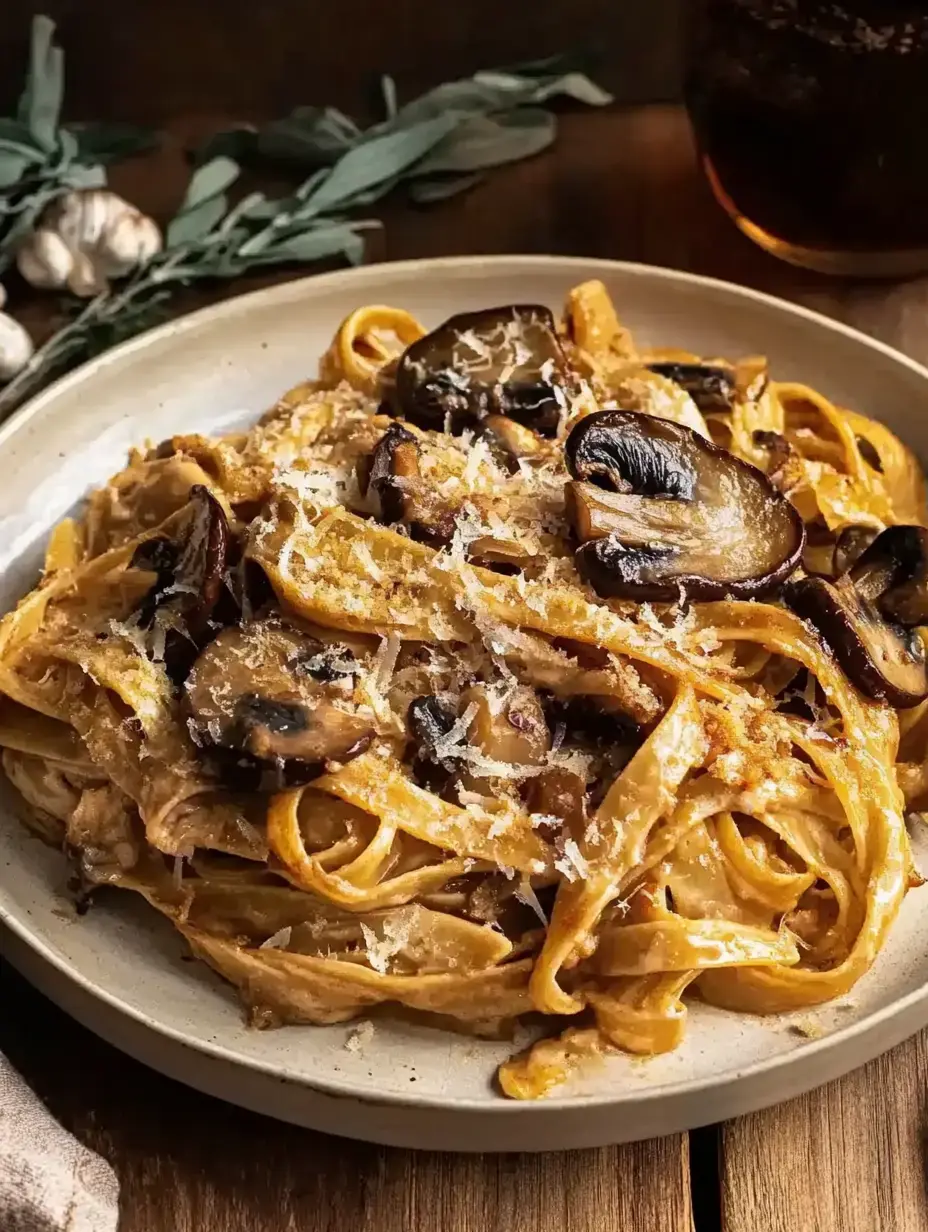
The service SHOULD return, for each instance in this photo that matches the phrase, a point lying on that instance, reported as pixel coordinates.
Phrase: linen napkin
(49, 1182)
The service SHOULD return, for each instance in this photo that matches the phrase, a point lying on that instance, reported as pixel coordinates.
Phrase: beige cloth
(49, 1182)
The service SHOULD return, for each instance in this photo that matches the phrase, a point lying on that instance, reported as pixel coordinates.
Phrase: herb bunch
(39, 158)
(437, 144)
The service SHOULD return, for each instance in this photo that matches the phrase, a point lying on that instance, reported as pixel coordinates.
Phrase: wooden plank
(188, 1163)
(849, 1157)
(161, 58)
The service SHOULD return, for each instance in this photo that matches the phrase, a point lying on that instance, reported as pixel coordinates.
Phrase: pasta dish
(508, 669)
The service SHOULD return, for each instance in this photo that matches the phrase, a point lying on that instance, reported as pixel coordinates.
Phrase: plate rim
(374, 273)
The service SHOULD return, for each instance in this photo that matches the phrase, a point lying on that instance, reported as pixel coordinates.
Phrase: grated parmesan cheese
(360, 1037)
(360, 550)
(279, 940)
(526, 894)
(395, 930)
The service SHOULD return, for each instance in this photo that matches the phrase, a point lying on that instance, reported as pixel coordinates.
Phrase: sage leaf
(196, 222)
(427, 192)
(209, 180)
(13, 167)
(205, 202)
(40, 104)
(316, 244)
(382, 158)
(78, 176)
(491, 141)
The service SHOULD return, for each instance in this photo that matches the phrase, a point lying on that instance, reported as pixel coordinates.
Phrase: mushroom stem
(661, 512)
(392, 471)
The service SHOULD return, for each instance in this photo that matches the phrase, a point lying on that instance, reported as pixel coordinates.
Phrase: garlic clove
(44, 259)
(81, 215)
(87, 277)
(15, 347)
(130, 239)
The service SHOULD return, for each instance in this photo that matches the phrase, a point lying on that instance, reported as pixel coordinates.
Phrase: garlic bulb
(15, 347)
(85, 238)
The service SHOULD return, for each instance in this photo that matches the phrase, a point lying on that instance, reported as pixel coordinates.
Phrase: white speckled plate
(120, 969)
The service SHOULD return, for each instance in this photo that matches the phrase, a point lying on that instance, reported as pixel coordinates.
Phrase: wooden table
(848, 1157)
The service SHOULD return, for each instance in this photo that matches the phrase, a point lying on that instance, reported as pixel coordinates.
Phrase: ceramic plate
(120, 970)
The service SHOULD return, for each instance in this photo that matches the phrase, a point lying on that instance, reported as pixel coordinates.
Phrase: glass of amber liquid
(812, 125)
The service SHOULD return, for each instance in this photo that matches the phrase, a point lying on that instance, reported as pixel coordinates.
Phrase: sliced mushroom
(186, 602)
(869, 454)
(607, 738)
(503, 734)
(429, 720)
(510, 731)
(818, 555)
(678, 514)
(500, 361)
(866, 616)
(509, 441)
(392, 472)
(157, 556)
(622, 451)
(712, 388)
(273, 706)
(191, 573)
(781, 457)
(893, 571)
(851, 544)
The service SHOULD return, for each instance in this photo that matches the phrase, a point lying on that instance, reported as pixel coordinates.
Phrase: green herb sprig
(438, 144)
(40, 158)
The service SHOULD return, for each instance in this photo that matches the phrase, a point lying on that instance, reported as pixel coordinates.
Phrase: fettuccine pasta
(507, 668)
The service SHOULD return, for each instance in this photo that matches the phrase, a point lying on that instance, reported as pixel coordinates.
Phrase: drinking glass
(812, 125)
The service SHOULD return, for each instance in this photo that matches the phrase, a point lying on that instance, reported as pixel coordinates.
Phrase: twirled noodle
(545, 800)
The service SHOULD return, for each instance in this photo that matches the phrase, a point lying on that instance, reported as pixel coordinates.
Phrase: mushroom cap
(392, 472)
(711, 386)
(498, 361)
(660, 511)
(884, 661)
(190, 580)
(275, 705)
(866, 614)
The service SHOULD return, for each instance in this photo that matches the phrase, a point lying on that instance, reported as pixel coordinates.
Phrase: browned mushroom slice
(189, 599)
(865, 616)
(429, 721)
(884, 660)
(392, 472)
(818, 555)
(712, 388)
(503, 736)
(509, 732)
(661, 512)
(606, 738)
(273, 706)
(509, 441)
(190, 573)
(893, 572)
(851, 543)
(500, 361)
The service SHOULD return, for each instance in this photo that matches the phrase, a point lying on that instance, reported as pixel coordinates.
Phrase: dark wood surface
(619, 184)
(155, 60)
